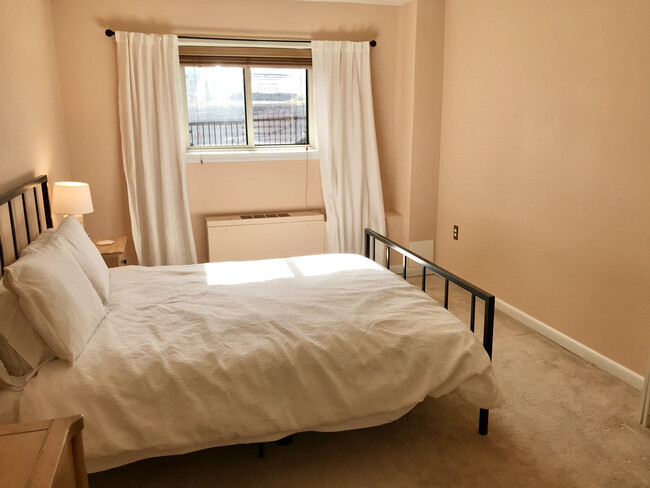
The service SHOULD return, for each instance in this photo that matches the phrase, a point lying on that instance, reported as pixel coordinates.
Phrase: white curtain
(153, 149)
(347, 144)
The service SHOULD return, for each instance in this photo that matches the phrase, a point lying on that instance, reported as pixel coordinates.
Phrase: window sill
(242, 155)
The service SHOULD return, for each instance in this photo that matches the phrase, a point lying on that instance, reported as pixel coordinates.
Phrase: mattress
(190, 357)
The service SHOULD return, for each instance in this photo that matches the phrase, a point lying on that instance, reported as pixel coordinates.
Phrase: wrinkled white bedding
(205, 355)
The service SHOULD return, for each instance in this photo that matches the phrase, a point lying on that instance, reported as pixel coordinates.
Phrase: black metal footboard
(488, 299)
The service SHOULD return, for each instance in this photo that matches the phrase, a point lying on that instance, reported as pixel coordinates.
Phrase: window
(221, 113)
(246, 98)
(216, 112)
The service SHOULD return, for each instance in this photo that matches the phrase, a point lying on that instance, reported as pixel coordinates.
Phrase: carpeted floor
(566, 424)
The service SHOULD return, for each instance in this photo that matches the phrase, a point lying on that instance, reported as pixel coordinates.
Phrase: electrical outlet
(455, 232)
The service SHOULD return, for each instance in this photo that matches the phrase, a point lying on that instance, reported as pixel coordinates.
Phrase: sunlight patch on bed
(328, 264)
(235, 273)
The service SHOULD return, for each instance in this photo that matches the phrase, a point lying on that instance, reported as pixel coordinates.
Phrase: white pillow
(21, 349)
(57, 298)
(86, 254)
(43, 238)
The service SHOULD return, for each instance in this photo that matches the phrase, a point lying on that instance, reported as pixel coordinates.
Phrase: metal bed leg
(483, 421)
(285, 441)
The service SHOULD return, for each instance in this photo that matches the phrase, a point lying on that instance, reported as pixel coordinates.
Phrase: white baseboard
(624, 374)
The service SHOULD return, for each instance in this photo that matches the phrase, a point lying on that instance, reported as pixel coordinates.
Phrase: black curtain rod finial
(373, 43)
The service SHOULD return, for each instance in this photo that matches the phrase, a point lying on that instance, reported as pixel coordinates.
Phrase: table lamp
(72, 198)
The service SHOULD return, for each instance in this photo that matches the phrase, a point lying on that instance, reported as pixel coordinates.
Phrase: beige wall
(405, 66)
(234, 188)
(427, 95)
(545, 163)
(418, 114)
(32, 134)
(88, 78)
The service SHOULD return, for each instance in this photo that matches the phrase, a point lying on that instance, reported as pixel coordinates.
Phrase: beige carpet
(566, 424)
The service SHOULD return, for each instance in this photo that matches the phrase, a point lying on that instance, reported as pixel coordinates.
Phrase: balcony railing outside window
(235, 107)
(268, 131)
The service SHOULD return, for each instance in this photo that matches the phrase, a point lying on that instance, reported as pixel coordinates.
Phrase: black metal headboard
(25, 223)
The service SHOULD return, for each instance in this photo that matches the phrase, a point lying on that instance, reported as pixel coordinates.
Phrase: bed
(189, 357)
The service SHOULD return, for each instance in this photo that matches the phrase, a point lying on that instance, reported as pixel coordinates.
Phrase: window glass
(216, 112)
(279, 106)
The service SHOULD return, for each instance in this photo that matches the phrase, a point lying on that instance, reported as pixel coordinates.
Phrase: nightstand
(43, 454)
(114, 254)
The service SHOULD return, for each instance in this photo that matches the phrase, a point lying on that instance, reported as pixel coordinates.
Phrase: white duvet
(190, 357)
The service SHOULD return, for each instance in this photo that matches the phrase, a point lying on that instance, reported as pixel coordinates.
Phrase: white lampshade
(71, 198)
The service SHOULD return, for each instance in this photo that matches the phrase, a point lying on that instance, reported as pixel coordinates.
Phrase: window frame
(248, 151)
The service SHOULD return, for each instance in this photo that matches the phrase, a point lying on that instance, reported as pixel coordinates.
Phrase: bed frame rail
(41, 208)
(476, 292)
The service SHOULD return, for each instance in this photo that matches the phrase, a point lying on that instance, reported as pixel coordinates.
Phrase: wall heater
(265, 235)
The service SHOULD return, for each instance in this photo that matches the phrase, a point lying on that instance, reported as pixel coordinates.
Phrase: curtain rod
(111, 33)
